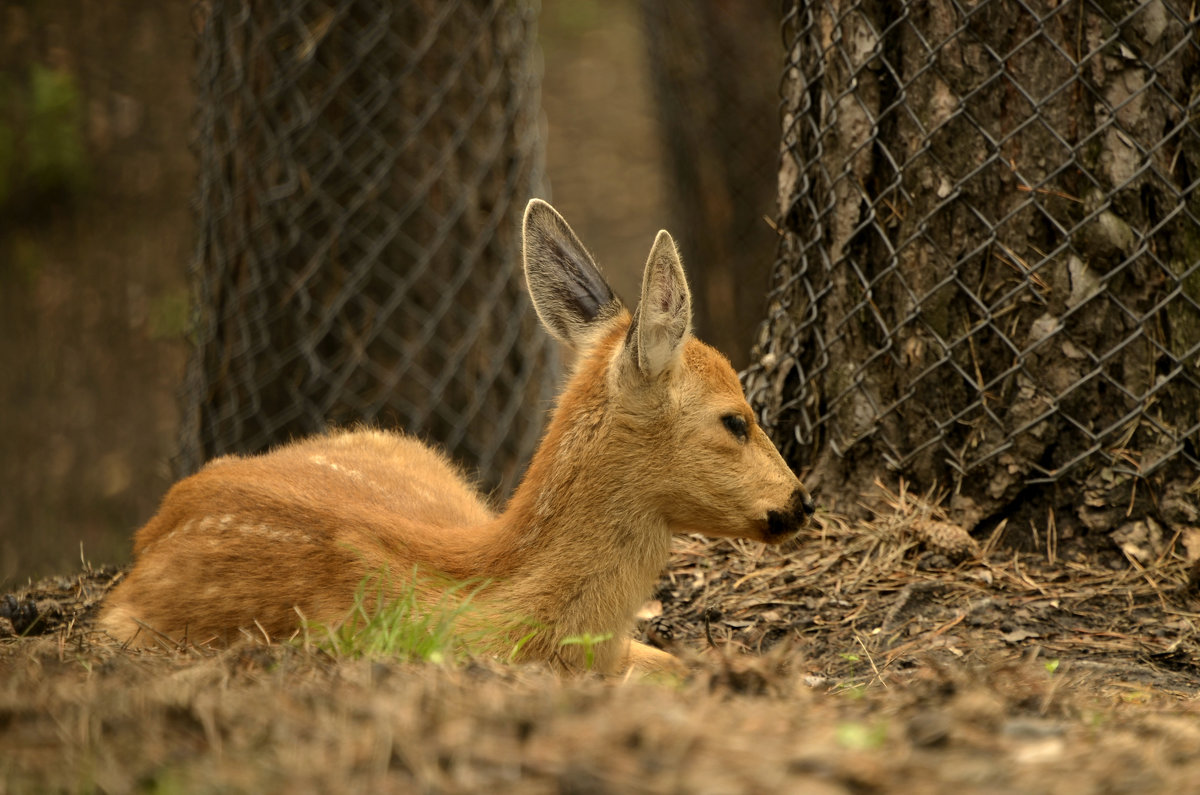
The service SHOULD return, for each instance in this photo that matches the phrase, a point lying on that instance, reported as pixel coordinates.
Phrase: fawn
(651, 436)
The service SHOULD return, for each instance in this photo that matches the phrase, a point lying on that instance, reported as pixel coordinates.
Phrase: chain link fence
(363, 169)
(989, 273)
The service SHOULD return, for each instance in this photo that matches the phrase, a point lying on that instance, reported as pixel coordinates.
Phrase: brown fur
(637, 449)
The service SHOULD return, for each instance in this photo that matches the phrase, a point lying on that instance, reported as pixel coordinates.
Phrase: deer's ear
(568, 291)
(663, 321)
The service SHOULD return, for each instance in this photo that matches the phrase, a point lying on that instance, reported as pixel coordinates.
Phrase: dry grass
(891, 656)
(868, 599)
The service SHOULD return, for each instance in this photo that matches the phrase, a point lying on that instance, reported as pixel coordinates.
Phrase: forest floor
(895, 655)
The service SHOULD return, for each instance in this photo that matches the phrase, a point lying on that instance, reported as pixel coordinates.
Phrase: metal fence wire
(363, 169)
(989, 269)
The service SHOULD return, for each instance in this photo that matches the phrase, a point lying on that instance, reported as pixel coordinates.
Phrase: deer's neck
(581, 564)
(583, 547)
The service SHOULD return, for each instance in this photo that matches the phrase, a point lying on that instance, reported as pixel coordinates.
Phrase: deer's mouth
(785, 523)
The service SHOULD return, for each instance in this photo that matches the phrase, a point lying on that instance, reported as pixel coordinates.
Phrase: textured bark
(989, 281)
(364, 168)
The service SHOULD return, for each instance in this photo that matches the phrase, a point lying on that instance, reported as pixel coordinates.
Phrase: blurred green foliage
(42, 152)
(576, 18)
(54, 139)
(170, 314)
(43, 160)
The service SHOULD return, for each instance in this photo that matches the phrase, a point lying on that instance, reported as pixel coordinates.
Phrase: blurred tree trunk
(990, 280)
(715, 69)
(364, 169)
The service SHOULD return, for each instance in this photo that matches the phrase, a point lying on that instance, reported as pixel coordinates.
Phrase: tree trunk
(364, 169)
(715, 69)
(990, 277)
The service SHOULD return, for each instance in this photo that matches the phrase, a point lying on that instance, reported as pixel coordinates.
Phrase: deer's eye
(736, 424)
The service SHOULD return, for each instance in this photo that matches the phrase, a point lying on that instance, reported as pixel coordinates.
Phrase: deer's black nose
(806, 502)
(787, 522)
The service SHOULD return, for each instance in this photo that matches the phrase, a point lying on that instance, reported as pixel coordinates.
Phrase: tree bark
(990, 278)
(364, 169)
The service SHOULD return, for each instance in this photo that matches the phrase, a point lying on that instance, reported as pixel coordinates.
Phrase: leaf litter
(894, 655)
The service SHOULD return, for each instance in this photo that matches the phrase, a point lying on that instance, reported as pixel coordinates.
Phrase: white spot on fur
(269, 533)
(181, 529)
(321, 460)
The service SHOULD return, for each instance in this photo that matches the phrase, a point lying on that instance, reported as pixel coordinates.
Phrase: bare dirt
(897, 655)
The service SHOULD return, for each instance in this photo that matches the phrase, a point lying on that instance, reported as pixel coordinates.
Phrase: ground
(892, 655)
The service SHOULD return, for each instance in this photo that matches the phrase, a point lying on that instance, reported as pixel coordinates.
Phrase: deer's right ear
(568, 292)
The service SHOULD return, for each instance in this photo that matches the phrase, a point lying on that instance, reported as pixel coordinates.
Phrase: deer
(651, 436)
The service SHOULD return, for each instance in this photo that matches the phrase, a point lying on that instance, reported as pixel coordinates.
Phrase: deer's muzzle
(782, 525)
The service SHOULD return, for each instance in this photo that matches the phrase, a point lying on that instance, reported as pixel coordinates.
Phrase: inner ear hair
(664, 315)
(568, 292)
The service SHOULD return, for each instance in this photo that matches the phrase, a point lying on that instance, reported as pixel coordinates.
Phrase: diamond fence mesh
(989, 273)
(363, 170)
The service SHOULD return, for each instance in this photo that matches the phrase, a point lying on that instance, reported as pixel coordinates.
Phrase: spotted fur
(638, 448)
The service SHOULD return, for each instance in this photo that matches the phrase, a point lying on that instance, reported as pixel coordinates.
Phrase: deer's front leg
(642, 659)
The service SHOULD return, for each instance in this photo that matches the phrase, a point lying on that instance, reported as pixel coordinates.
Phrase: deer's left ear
(568, 291)
(663, 320)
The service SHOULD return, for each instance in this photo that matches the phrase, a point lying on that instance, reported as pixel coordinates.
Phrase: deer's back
(254, 538)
